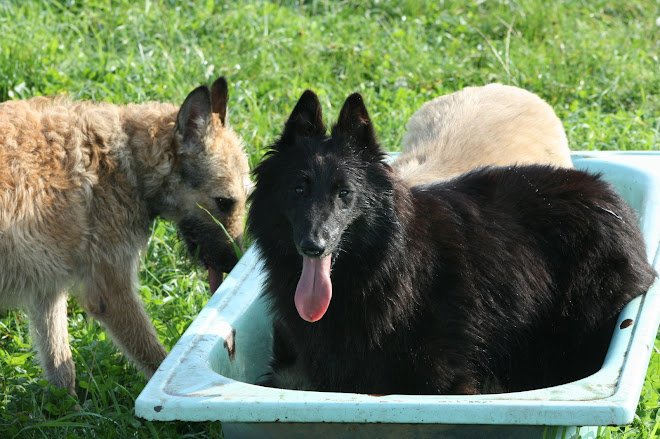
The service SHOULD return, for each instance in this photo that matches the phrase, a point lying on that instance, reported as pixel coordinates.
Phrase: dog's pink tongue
(314, 289)
(214, 279)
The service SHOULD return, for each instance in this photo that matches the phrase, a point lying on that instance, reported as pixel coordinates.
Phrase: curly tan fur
(81, 183)
(491, 125)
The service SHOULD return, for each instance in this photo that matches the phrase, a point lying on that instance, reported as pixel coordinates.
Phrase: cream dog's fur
(491, 125)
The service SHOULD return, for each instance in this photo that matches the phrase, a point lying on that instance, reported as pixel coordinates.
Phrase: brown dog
(477, 126)
(81, 183)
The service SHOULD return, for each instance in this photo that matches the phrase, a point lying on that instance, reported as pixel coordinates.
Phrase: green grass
(595, 61)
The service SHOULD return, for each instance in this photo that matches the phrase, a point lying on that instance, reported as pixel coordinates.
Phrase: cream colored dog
(491, 125)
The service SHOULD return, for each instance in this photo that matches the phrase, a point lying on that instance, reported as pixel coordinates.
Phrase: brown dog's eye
(225, 204)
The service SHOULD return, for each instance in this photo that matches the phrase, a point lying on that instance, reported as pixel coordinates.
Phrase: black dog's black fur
(503, 278)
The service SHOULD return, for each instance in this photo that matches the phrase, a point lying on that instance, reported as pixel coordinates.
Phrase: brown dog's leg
(112, 300)
(49, 330)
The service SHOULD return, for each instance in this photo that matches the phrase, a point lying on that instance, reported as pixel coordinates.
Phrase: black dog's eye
(299, 190)
(343, 193)
(225, 204)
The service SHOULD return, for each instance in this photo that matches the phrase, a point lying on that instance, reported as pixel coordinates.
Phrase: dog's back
(544, 261)
(491, 125)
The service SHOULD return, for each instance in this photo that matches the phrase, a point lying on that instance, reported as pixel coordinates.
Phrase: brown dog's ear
(194, 120)
(306, 119)
(219, 98)
(354, 128)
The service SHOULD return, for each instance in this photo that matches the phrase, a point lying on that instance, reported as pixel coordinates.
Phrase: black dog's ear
(354, 127)
(306, 119)
(194, 120)
(219, 98)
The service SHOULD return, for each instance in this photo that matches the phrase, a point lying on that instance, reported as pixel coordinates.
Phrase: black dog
(501, 279)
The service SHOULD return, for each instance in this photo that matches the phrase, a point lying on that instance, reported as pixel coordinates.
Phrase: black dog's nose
(311, 248)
